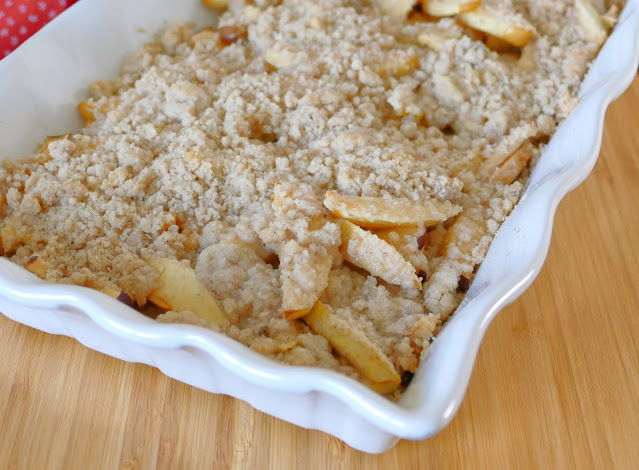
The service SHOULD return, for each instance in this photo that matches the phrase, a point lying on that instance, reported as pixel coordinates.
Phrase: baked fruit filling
(319, 180)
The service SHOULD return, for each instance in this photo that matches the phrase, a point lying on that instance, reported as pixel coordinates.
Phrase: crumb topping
(218, 147)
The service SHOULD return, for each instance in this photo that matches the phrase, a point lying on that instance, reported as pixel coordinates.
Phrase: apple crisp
(319, 180)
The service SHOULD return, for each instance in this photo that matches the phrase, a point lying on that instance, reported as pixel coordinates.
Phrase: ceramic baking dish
(40, 85)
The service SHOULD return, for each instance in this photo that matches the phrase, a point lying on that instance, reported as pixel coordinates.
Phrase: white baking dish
(40, 85)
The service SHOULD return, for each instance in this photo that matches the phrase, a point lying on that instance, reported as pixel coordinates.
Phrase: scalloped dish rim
(189, 353)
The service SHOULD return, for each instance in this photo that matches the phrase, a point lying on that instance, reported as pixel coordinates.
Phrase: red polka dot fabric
(20, 19)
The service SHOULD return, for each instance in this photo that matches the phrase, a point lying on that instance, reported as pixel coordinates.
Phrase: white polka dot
(4, 32)
(63, 3)
(6, 52)
(22, 8)
(51, 14)
(42, 6)
(33, 18)
(1, 14)
(8, 3)
(23, 30)
(14, 40)
(11, 21)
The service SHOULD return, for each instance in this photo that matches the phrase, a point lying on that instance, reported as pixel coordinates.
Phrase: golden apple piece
(87, 109)
(8, 164)
(204, 36)
(216, 4)
(494, 43)
(179, 290)
(377, 212)
(610, 18)
(367, 251)
(402, 231)
(365, 357)
(10, 236)
(462, 244)
(111, 290)
(498, 45)
(498, 25)
(508, 171)
(385, 388)
(449, 7)
(304, 276)
(396, 8)
(231, 34)
(37, 266)
(278, 57)
(590, 21)
(405, 240)
(507, 147)
(304, 268)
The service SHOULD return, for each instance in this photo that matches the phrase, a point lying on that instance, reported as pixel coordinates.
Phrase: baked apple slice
(498, 25)
(449, 7)
(377, 212)
(367, 251)
(366, 358)
(180, 290)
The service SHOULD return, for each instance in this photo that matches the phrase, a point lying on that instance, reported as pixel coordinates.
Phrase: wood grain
(556, 384)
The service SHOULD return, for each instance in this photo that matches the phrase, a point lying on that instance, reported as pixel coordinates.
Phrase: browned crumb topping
(218, 147)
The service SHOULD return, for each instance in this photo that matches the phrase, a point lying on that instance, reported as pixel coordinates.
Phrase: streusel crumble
(316, 179)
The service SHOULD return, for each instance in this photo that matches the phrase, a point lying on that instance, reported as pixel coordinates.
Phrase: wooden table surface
(556, 384)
